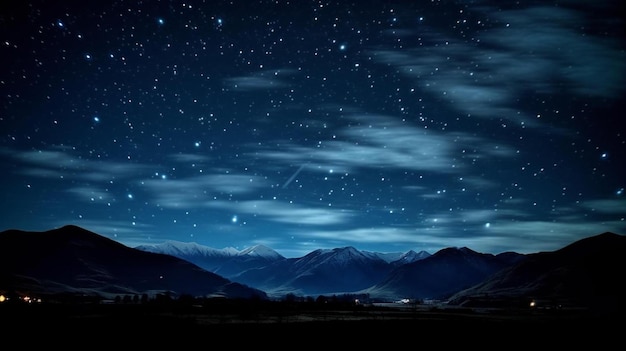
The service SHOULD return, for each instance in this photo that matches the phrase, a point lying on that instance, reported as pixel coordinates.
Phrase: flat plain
(254, 326)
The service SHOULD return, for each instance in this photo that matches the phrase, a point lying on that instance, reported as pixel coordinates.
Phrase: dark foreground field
(84, 326)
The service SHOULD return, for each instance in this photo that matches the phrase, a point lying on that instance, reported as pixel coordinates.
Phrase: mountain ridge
(585, 273)
(75, 260)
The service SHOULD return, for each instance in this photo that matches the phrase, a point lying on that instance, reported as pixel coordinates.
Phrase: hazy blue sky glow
(387, 126)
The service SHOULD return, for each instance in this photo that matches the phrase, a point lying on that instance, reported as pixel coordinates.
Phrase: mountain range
(589, 273)
(321, 272)
(585, 274)
(73, 261)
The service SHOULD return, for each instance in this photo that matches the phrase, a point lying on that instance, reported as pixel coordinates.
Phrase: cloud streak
(383, 142)
(282, 212)
(536, 50)
(196, 191)
(262, 80)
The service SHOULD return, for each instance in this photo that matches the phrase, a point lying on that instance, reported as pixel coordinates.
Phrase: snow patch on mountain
(180, 248)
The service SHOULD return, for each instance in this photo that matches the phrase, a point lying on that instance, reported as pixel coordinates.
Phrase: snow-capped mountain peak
(180, 248)
(260, 251)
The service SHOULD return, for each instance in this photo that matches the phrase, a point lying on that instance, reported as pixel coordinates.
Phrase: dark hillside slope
(589, 273)
(441, 274)
(74, 260)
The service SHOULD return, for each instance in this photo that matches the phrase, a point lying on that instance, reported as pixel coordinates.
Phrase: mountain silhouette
(441, 274)
(73, 260)
(588, 273)
(226, 262)
(322, 271)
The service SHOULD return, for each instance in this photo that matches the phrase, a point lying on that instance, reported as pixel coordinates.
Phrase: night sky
(386, 126)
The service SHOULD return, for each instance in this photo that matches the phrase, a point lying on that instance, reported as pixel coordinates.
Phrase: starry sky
(384, 125)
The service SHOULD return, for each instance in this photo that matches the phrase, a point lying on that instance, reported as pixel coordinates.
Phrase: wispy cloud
(533, 50)
(196, 191)
(262, 80)
(186, 158)
(380, 141)
(365, 235)
(279, 211)
(607, 206)
(91, 194)
(64, 164)
(551, 39)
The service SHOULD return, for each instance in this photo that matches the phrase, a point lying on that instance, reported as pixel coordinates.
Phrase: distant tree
(321, 299)
(290, 297)
(163, 298)
(186, 299)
